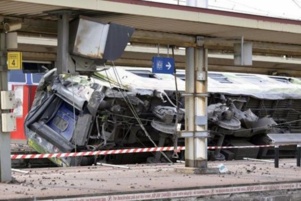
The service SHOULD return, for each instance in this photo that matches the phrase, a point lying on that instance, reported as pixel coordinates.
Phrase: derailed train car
(114, 108)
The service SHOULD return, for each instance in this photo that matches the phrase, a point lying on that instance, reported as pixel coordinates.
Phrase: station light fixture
(12, 26)
(92, 39)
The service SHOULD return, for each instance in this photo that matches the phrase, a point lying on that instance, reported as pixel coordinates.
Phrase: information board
(14, 60)
(164, 65)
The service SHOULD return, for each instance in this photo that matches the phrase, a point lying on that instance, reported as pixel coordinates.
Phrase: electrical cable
(297, 4)
(176, 134)
(135, 114)
(73, 107)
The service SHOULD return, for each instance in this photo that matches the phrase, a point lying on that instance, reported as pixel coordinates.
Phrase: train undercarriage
(114, 108)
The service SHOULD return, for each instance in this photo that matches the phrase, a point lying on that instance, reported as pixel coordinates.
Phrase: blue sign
(164, 65)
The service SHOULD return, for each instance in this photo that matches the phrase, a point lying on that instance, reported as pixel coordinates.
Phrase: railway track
(28, 163)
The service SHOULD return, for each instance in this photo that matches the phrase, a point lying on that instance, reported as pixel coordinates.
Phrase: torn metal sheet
(79, 113)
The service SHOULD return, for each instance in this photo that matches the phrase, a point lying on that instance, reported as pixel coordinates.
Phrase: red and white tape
(121, 151)
(94, 153)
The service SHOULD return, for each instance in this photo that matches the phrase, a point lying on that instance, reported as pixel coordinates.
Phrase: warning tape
(121, 151)
(94, 153)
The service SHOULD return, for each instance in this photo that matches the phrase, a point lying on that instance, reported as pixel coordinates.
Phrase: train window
(252, 78)
(181, 76)
(142, 73)
(219, 77)
(16, 76)
(36, 67)
(36, 77)
(282, 79)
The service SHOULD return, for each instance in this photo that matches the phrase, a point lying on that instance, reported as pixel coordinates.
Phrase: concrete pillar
(5, 161)
(201, 69)
(196, 107)
(62, 61)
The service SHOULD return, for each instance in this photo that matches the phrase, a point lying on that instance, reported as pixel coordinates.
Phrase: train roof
(255, 85)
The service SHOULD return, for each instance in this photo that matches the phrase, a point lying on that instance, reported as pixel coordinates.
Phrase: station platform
(244, 180)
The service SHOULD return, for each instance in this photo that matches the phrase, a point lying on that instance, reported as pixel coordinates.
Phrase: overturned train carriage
(115, 108)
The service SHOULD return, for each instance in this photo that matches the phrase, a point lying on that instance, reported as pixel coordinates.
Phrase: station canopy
(158, 27)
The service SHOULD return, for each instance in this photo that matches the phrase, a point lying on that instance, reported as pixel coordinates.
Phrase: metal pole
(298, 155)
(242, 51)
(276, 156)
(5, 161)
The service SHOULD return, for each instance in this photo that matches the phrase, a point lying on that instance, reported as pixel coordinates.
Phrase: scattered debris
(111, 165)
(222, 168)
(20, 171)
(259, 160)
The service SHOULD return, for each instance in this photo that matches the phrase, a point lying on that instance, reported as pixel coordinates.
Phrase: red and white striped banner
(94, 153)
(121, 151)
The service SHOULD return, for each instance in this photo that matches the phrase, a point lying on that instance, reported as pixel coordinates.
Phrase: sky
(289, 9)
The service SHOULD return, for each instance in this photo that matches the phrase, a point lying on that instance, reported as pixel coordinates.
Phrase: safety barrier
(122, 151)
(288, 138)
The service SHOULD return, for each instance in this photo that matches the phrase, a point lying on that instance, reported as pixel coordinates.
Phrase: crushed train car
(115, 108)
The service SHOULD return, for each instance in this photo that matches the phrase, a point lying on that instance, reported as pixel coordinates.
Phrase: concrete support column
(5, 161)
(62, 61)
(196, 107)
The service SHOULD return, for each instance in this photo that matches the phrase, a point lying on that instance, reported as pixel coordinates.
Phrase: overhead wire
(176, 134)
(132, 109)
(234, 3)
(246, 7)
(74, 115)
(296, 3)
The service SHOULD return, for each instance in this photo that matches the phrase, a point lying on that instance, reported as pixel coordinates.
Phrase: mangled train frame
(115, 108)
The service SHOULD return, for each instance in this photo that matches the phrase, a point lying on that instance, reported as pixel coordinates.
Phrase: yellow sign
(14, 60)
